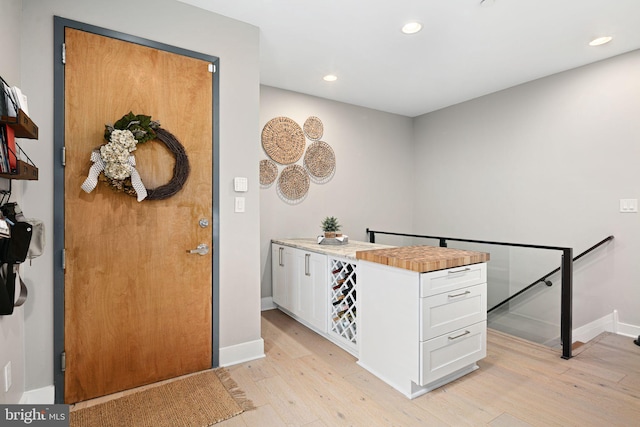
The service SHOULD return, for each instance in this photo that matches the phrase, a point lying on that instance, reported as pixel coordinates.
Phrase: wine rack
(342, 298)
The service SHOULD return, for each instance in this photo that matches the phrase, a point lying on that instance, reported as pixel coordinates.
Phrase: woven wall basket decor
(283, 140)
(319, 159)
(313, 128)
(293, 183)
(268, 172)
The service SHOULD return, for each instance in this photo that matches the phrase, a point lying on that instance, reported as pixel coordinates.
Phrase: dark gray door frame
(58, 181)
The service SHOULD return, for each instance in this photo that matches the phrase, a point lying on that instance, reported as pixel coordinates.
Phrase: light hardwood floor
(305, 380)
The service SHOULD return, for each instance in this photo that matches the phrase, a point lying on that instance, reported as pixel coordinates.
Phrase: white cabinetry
(299, 280)
(418, 331)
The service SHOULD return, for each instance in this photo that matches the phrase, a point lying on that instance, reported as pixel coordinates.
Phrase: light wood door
(137, 304)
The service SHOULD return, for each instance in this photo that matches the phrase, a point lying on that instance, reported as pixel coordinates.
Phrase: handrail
(544, 278)
(566, 268)
(444, 239)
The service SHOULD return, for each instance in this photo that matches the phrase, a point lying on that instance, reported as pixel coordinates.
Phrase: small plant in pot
(330, 226)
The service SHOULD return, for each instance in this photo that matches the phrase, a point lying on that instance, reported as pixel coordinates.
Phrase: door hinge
(212, 68)
(64, 259)
(64, 156)
(64, 53)
(63, 361)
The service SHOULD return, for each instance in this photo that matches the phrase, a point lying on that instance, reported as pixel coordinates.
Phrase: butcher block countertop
(422, 259)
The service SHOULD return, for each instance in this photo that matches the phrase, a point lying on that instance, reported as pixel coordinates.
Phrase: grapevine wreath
(114, 163)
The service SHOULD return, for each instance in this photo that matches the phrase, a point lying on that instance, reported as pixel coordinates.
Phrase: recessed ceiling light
(411, 27)
(600, 41)
(330, 78)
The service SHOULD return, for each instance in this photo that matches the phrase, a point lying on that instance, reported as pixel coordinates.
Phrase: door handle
(202, 249)
(306, 264)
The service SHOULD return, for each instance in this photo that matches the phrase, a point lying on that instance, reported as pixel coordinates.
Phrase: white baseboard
(40, 396)
(608, 323)
(267, 304)
(234, 354)
(625, 328)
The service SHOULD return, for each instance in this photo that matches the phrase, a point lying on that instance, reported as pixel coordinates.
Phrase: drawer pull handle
(460, 295)
(459, 336)
(459, 271)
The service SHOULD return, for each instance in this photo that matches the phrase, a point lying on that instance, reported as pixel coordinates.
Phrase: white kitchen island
(414, 316)
(422, 313)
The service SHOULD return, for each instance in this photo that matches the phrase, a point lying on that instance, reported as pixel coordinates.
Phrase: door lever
(202, 249)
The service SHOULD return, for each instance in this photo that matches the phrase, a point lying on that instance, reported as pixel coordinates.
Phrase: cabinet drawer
(448, 353)
(436, 282)
(453, 310)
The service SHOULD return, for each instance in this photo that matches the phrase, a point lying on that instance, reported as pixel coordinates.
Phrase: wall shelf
(23, 126)
(24, 171)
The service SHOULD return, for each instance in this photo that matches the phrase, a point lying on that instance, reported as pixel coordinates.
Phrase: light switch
(628, 205)
(239, 204)
(240, 184)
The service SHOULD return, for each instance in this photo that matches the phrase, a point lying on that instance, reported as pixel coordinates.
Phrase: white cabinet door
(448, 353)
(299, 284)
(278, 277)
(312, 292)
(453, 310)
(292, 279)
(284, 277)
(437, 282)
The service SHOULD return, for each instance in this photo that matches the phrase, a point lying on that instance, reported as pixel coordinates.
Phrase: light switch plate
(7, 377)
(628, 205)
(240, 184)
(239, 205)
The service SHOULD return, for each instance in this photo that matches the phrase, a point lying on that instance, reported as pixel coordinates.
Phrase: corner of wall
(244, 352)
(267, 304)
(608, 323)
(40, 396)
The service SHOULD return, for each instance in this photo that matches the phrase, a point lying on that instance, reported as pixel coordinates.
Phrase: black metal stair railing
(566, 276)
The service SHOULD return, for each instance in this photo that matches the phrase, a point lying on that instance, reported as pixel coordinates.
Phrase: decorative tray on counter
(333, 240)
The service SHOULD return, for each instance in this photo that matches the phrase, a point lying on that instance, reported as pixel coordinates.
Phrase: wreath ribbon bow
(98, 166)
(114, 158)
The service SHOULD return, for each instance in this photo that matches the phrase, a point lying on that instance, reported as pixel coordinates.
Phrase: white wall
(546, 163)
(11, 327)
(177, 24)
(372, 186)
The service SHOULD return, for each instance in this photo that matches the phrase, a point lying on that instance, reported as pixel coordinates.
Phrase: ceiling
(466, 49)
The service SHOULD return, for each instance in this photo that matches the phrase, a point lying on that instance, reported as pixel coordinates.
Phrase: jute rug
(198, 400)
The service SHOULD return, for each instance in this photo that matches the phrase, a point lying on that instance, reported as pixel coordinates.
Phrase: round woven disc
(294, 182)
(313, 128)
(320, 160)
(283, 140)
(268, 172)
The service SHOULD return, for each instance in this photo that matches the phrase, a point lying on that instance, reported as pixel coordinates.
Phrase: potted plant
(330, 226)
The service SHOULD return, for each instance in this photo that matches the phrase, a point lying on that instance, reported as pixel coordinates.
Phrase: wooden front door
(138, 306)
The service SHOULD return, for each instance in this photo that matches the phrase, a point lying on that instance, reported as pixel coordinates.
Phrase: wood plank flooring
(305, 380)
